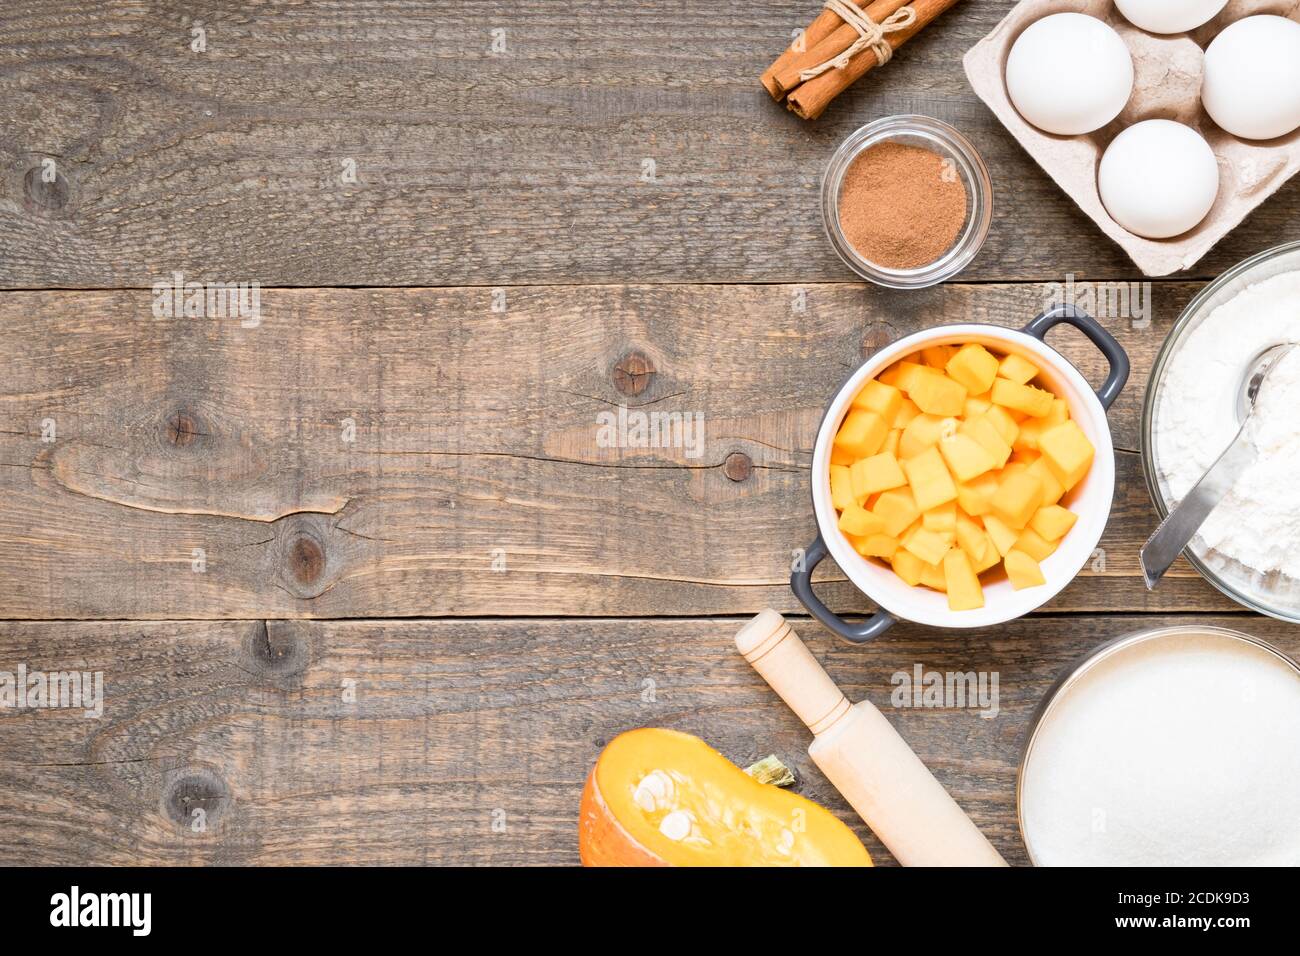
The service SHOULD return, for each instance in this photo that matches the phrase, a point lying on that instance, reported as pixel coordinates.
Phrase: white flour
(1258, 523)
(1176, 751)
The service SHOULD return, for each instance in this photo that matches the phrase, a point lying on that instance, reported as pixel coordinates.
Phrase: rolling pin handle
(773, 649)
(863, 756)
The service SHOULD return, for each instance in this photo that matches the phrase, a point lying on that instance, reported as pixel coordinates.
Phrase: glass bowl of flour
(1249, 546)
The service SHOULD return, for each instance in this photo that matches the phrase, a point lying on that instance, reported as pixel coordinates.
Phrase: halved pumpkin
(664, 798)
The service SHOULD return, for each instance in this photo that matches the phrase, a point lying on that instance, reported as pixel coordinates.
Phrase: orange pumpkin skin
(602, 841)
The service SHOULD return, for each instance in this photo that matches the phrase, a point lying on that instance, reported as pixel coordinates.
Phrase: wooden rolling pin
(864, 757)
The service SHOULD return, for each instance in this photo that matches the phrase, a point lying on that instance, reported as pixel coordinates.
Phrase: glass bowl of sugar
(1169, 747)
(907, 201)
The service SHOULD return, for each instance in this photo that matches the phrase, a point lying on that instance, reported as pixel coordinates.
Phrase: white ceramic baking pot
(1090, 499)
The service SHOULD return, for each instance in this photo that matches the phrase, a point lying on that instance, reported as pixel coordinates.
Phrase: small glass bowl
(938, 137)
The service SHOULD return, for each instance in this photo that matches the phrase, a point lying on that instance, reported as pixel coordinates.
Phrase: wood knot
(276, 650)
(45, 190)
(196, 798)
(738, 466)
(180, 429)
(305, 562)
(306, 559)
(877, 336)
(632, 373)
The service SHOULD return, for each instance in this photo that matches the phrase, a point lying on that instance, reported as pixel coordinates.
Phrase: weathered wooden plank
(454, 726)
(412, 452)
(473, 164)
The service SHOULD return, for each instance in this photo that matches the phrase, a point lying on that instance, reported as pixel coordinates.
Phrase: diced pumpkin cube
(964, 591)
(931, 483)
(938, 356)
(1053, 490)
(1053, 521)
(943, 518)
(932, 576)
(1017, 369)
(937, 394)
(1034, 545)
(877, 473)
(1030, 431)
(862, 433)
(1022, 398)
(973, 366)
(929, 546)
(971, 501)
(1023, 570)
(884, 400)
(992, 557)
(923, 432)
(897, 508)
(878, 545)
(1067, 452)
(1003, 538)
(841, 487)
(858, 521)
(974, 497)
(967, 459)
(1033, 429)
(891, 442)
(907, 566)
(1017, 498)
(971, 537)
(987, 434)
(1003, 421)
(1013, 468)
(907, 410)
(841, 457)
(907, 373)
(976, 405)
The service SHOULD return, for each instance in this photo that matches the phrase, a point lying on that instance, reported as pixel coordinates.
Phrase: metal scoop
(1184, 521)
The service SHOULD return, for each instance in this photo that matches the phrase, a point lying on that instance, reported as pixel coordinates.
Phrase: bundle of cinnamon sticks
(825, 40)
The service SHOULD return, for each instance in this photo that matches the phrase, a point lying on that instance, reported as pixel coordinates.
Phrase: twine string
(871, 35)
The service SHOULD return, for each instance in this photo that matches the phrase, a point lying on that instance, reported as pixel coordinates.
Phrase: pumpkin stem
(771, 770)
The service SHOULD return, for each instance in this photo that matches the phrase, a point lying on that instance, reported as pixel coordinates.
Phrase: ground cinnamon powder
(901, 206)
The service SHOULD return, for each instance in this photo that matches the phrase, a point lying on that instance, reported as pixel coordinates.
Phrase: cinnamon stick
(809, 100)
(787, 77)
(823, 26)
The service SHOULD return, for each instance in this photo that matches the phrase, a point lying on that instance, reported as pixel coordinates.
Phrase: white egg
(1252, 78)
(1069, 74)
(1169, 16)
(1158, 178)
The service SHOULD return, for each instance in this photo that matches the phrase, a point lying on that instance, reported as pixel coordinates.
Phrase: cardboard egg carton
(1167, 85)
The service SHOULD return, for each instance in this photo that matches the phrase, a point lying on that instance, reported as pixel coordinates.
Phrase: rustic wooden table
(364, 585)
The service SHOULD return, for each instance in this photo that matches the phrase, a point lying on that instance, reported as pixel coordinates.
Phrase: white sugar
(1182, 750)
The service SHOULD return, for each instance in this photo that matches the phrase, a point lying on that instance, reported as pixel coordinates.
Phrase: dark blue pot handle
(801, 584)
(1097, 334)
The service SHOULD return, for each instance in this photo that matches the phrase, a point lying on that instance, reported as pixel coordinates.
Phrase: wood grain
(525, 165)
(476, 482)
(459, 746)
(536, 234)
